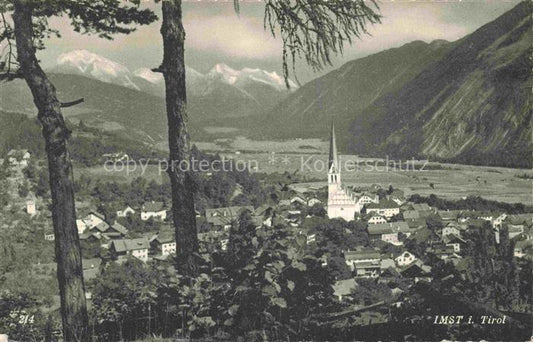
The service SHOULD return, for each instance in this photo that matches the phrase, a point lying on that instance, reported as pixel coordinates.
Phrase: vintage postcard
(266, 170)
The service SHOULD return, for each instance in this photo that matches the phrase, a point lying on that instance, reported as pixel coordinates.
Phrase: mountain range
(465, 101)
(117, 99)
(222, 92)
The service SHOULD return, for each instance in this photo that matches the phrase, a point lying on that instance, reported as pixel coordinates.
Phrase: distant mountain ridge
(221, 93)
(466, 101)
(89, 64)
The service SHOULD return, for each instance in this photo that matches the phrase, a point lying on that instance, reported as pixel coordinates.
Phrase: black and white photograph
(266, 170)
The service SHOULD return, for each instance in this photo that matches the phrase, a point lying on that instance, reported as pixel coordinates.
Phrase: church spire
(333, 158)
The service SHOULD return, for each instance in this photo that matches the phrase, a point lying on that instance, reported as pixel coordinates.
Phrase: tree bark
(173, 68)
(55, 132)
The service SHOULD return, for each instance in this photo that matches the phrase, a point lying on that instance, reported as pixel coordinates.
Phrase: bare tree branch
(72, 103)
(316, 30)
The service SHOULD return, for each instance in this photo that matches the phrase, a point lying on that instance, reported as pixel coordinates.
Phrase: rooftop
(153, 206)
(383, 204)
(362, 254)
(130, 245)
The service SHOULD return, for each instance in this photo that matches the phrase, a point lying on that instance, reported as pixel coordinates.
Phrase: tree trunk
(173, 68)
(67, 246)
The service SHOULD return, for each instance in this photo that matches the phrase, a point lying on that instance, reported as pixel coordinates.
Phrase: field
(451, 181)
(309, 157)
(150, 172)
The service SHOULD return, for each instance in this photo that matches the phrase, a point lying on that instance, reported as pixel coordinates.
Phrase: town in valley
(251, 171)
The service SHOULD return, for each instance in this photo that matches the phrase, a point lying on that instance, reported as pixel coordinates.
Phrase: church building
(342, 203)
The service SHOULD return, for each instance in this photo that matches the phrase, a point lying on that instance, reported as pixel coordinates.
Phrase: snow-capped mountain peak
(92, 65)
(245, 76)
(157, 78)
(149, 75)
(248, 81)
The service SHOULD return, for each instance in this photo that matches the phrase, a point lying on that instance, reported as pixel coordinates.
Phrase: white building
(80, 224)
(18, 158)
(385, 208)
(451, 229)
(127, 211)
(155, 210)
(30, 207)
(137, 248)
(93, 219)
(406, 258)
(376, 219)
(164, 244)
(341, 203)
(367, 199)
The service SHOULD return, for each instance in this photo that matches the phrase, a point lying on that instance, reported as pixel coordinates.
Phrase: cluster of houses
(449, 244)
(18, 158)
(93, 228)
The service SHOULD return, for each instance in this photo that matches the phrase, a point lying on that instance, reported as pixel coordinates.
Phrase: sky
(215, 34)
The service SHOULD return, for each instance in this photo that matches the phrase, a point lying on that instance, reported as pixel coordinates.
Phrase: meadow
(308, 157)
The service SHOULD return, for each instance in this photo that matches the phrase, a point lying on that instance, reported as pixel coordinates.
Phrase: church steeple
(334, 172)
(333, 158)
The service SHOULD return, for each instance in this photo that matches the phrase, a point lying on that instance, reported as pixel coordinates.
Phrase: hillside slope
(471, 106)
(466, 101)
(343, 94)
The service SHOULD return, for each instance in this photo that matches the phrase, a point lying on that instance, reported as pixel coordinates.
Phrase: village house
(515, 230)
(127, 211)
(224, 244)
(154, 210)
(298, 202)
(30, 207)
(418, 272)
(519, 222)
(93, 219)
(388, 232)
(18, 158)
(49, 235)
(137, 248)
(422, 208)
(108, 232)
(416, 224)
(312, 201)
(363, 257)
(454, 241)
(376, 219)
(522, 247)
(383, 232)
(368, 269)
(498, 221)
(443, 252)
(385, 207)
(398, 197)
(389, 274)
(89, 237)
(81, 226)
(116, 157)
(365, 199)
(163, 243)
(449, 215)
(451, 228)
(405, 258)
(224, 217)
